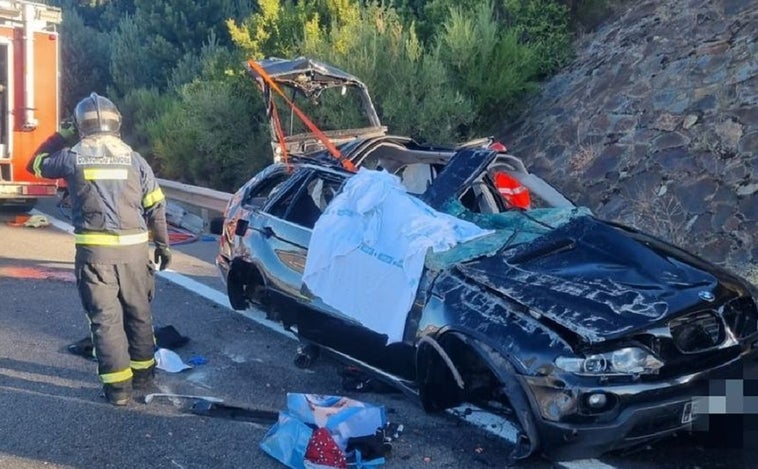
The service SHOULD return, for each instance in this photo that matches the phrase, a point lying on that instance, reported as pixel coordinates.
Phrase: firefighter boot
(143, 379)
(118, 394)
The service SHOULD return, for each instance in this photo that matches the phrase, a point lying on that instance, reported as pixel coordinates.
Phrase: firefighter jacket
(115, 198)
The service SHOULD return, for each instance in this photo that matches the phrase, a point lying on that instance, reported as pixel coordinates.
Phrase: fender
(506, 373)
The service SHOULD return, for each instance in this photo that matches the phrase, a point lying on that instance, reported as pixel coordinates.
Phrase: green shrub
(411, 87)
(275, 29)
(544, 25)
(212, 62)
(149, 43)
(82, 48)
(488, 64)
(139, 108)
(212, 135)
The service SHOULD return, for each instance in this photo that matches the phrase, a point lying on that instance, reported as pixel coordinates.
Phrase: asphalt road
(53, 416)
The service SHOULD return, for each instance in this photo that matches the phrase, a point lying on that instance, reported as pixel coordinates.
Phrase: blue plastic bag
(287, 440)
(345, 418)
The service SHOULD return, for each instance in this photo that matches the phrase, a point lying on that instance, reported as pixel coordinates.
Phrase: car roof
(288, 72)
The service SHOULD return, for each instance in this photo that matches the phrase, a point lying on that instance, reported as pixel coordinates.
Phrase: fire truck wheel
(17, 207)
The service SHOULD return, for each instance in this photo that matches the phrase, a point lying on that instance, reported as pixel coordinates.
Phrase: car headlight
(625, 361)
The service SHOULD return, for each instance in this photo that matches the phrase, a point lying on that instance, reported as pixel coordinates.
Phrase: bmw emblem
(706, 295)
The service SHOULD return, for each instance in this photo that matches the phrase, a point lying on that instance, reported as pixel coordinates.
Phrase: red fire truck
(29, 96)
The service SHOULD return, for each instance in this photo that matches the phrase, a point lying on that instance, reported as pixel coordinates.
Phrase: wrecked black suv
(595, 336)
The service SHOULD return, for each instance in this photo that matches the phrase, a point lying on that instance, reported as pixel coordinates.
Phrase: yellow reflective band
(143, 365)
(105, 239)
(153, 198)
(91, 174)
(38, 163)
(117, 377)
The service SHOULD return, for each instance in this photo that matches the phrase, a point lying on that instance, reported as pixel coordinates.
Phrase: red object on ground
(323, 450)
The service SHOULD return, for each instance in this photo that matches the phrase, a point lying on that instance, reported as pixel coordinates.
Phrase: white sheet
(367, 250)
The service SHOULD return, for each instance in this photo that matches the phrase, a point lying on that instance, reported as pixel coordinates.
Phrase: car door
(244, 207)
(289, 222)
(283, 230)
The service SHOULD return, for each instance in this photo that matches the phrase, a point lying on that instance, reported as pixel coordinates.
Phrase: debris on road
(168, 360)
(216, 409)
(168, 337)
(149, 398)
(29, 221)
(356, 429)
(355, 380)
(165, 337)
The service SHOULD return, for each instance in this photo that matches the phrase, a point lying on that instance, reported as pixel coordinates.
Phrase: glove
(68, 130)
(162, 257)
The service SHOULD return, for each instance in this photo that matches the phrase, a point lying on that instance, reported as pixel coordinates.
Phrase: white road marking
(585, 464)
(220, 299)
(60, 224)
(491, 423)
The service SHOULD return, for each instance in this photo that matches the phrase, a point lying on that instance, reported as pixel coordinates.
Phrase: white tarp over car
(367, 250)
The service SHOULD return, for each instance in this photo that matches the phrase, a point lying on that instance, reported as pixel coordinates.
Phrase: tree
(149, 43)
(213, 134)
(84, 56)
(488, 63)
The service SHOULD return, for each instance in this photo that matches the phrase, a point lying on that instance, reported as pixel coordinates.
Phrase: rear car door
(244, 207)
(289, 220)
(285, 225)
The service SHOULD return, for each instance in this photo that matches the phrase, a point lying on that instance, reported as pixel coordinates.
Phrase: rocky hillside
(655, 125)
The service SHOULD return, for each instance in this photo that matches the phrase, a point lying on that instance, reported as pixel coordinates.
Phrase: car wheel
(235, 285)
(438, 364)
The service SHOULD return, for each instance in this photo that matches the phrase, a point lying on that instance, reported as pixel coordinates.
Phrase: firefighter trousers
(116, 298)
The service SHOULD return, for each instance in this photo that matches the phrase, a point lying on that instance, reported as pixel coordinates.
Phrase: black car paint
(624, 284)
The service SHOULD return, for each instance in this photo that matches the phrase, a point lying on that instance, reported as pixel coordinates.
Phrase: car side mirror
(216, 226)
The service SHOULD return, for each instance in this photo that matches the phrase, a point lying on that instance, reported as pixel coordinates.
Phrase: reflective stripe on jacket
(115, 197)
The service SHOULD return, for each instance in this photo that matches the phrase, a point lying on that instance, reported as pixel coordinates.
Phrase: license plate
(688, 412)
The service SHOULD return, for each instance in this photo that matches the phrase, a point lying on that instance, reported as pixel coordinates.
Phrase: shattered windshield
(331, 109)
(511, 228)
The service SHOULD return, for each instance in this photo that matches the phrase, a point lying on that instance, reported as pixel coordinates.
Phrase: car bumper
(644, 412)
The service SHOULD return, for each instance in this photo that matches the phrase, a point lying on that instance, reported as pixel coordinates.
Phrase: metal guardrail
(207, 200)
(194, 207)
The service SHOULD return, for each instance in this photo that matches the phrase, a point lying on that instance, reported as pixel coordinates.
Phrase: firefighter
(115, 204)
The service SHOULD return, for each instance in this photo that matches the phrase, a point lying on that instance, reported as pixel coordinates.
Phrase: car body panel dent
(459, 306)
(603, 287)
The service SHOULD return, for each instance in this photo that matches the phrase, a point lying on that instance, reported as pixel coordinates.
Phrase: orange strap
(280, 136)
(347, 164)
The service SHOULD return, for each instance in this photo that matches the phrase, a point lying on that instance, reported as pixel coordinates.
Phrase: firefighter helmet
(96, 114)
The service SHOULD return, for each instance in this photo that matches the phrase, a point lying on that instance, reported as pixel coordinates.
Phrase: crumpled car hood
(593, 279)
